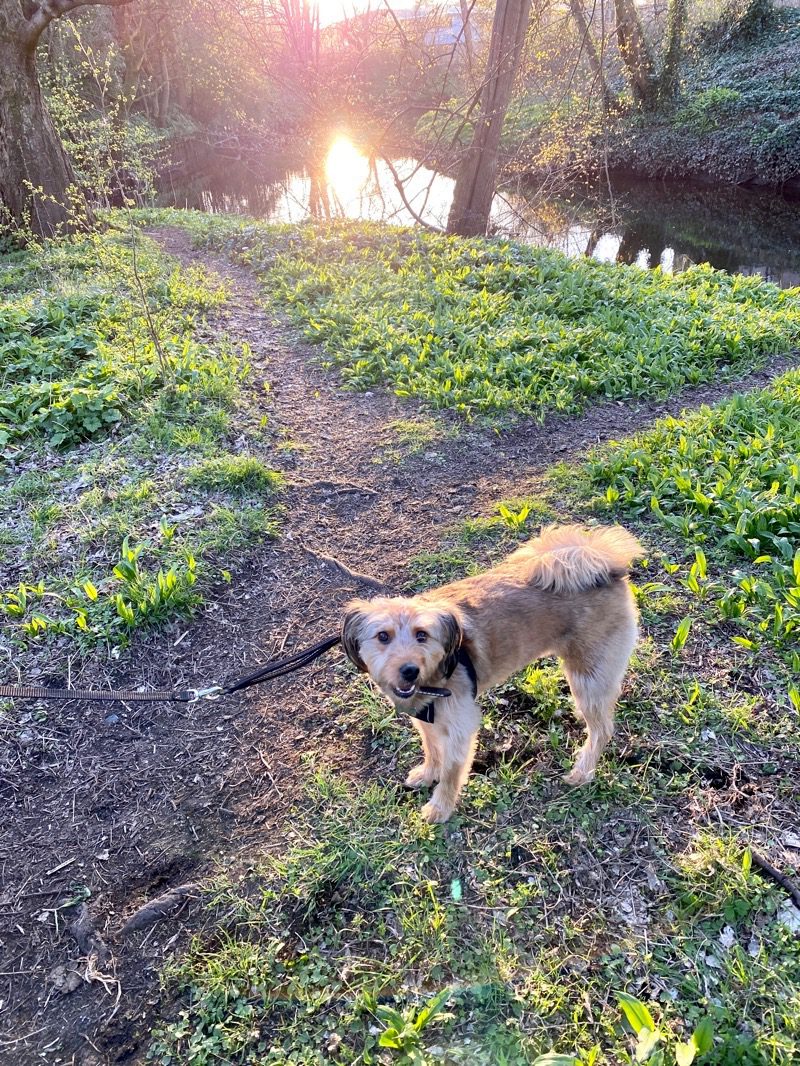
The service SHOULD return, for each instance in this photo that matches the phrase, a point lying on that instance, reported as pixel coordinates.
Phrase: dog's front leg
(453, 736)
(428, 771)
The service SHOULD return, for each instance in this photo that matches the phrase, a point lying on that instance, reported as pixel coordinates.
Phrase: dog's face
(400, 643)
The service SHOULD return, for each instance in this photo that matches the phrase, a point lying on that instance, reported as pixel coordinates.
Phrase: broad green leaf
(636, 1012)
(647, 1042)
(431, 1009)
(389, 1039)
(744, 642)
(681, 634)
(703, 1036)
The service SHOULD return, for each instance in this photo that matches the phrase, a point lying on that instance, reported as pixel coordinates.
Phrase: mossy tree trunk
(472, 197)
(636, 54)
(651, 87)
(35, 174)
(677, 14)
(37, 182)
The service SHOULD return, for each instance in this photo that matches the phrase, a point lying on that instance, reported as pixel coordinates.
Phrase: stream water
(650, 223)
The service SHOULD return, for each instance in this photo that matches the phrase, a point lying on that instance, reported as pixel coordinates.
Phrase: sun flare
(345, 165)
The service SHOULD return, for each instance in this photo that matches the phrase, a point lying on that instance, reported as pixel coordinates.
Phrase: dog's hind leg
(454, 735)
(598, 715)
(595, 689)
(428, 770)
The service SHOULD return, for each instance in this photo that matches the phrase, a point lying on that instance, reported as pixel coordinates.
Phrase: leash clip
(213, 692)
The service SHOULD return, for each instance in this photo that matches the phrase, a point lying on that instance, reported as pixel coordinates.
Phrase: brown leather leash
(267, 672)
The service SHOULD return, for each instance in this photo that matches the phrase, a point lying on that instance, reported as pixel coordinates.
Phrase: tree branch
(398, 184)
(48, 10)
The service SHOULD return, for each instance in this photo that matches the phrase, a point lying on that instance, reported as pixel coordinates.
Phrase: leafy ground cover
(618, 923)
(622, 922)
(738, 114)
(726, 479)
(114, 409)
(488, 327)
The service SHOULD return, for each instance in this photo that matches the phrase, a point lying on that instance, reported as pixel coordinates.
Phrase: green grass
(114, 409)
(487, 326)
(371, 911)
(528, 912)
(727, 480)
(411, 437)
(536, 905)
(239, 473)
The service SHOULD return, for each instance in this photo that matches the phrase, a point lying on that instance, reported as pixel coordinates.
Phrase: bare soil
(114, 806)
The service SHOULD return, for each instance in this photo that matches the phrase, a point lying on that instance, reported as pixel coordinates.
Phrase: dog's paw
(421, 776)
(577, 777)
(435, 814)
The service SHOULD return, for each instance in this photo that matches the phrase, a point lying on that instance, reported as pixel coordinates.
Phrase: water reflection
(351, 185)
(647, 223)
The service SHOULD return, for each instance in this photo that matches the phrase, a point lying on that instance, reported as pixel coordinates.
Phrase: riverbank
(736, 121)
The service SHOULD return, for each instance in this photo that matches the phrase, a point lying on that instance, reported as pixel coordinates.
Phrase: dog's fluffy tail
(569, 559)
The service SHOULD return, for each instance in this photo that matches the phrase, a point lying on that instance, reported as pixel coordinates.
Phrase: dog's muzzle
(409, 674)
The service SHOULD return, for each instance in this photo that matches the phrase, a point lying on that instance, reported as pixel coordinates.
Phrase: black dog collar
(427, 713)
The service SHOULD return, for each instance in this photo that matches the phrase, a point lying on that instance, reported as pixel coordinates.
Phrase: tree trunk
(636, 54)
(676, 24)
(589, 46)
(472, 197)
(36, 177)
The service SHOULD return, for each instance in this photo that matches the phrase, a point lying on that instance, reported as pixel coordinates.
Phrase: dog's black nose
(409, 672)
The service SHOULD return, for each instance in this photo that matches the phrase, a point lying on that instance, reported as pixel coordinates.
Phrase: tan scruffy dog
(564, 593)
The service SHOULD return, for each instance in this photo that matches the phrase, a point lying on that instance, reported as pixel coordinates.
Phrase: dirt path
(125, 806)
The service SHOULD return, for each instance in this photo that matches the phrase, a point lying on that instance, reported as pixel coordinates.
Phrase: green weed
(343, 946)
(728, 478)
(109, 382)
(404, 1031)
(78, 353)
(491, 326)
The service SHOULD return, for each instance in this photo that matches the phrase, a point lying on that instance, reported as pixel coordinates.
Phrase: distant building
(449, 29)
(441, 26)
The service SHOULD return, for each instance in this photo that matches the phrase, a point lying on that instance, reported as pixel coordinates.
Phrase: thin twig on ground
(345, 571)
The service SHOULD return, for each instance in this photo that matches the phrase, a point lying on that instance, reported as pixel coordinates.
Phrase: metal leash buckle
(213, 692)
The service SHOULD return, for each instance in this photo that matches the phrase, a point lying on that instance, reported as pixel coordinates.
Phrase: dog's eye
(422, 636)
(384, 637)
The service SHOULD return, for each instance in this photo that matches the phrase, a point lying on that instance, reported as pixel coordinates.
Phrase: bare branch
(398, 184)
(48, 10)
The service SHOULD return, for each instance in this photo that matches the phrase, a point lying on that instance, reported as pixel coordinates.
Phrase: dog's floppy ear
(351, 632)
(452, 635)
